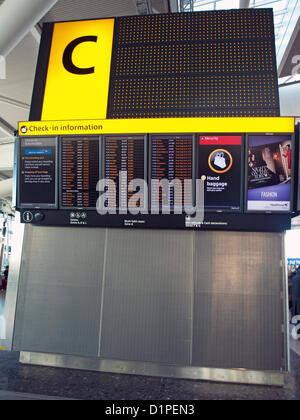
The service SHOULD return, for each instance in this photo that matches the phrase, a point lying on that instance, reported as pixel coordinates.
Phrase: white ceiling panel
(13, 114)
(6, 157)
(20, 70)
(65, 10)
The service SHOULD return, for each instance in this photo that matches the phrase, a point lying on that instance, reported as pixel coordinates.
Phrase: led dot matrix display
(205, 64)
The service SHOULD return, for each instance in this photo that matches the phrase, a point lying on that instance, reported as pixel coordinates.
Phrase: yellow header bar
(158, 125)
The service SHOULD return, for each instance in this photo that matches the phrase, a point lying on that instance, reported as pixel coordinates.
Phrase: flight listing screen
(172, 159)
(37, 183)
(80, 172)
(220, 167)
(124, 162)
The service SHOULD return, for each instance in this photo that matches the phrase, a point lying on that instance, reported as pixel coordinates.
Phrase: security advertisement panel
(220, 168)
(269, 173)
(37, 183)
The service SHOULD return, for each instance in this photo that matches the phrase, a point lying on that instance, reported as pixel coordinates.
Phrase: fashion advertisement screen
(219, 166)
(269, 173)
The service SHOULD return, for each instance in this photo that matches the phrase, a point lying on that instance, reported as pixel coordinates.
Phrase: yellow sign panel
(79, 70)
(158, 125)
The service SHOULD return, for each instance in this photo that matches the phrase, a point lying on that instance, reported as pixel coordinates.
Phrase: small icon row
(29, 217)
(77, 215)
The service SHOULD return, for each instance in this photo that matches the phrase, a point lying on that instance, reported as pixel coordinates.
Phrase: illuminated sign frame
(158, 125)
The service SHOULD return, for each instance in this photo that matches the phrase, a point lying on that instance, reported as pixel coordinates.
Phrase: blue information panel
(37, 184)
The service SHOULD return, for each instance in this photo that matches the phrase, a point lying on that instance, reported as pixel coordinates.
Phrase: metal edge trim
(285, 308)
(241, 376)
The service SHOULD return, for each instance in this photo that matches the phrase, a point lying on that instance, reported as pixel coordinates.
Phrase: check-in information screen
(37, 187)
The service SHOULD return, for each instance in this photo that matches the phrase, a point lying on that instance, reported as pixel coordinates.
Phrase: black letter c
(67, 57)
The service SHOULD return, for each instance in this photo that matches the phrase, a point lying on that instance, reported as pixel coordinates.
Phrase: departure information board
(220, 167)
(37, 184)
(80, 172)
(213, 63)
(125, 161)
(172, 159)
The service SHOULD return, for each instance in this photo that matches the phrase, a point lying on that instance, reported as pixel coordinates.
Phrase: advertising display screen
(79, 172)
(172, 159)
(270, 165)
(124, 162)
(220, 167)
(37, 184)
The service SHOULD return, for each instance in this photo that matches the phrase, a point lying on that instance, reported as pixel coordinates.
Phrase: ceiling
(16, 88)
(88, 9)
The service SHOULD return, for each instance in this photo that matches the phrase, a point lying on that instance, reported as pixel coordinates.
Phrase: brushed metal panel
(207, 299)
(238, 263)
(60, 291)
(147, 312)
(238, 332)
(286, 310)
(238, 313)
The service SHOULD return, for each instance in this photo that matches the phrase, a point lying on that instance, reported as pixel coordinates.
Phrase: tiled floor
(74, 384)
(21, 382)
